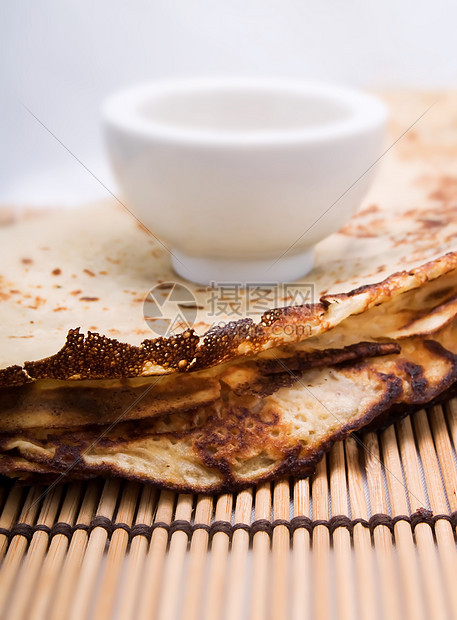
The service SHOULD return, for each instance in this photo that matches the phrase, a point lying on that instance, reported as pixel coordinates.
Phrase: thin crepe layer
(97, 357)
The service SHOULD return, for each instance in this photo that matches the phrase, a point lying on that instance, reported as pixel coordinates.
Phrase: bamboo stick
(432, 582)
(261, 556)
(154, 562)
(321, 544)
(301, 543)
(18, 545)
(341, 537)
(55, 557)
(438, 503)
(430, 464)
(136, 557)
(64, 590)
(213, 605)
(381, 534)
(35, 555)
(171, 586)
(443, 447)
(280, 551)
(106, 592)
(448, 468)
(364, 557)
(94, 553)
(9, 514)
(193, 588)
(409, 570)
(238, 578)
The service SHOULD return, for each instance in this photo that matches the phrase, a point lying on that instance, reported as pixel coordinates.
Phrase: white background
(61, 59)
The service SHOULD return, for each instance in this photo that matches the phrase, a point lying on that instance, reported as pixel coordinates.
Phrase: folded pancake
(253, 432)
(51, 403)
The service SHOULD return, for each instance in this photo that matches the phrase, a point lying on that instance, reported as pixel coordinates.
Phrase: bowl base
(208, 270)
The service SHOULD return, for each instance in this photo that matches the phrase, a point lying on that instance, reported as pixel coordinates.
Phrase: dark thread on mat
(421, 516)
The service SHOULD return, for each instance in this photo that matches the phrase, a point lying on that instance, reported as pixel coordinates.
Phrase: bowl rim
(120, 112)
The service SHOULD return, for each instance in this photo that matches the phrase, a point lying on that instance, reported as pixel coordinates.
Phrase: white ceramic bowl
(234, 173)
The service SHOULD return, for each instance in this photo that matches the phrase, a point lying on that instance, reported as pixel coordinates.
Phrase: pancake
(246, 437)
(273, 416)
(54, 403)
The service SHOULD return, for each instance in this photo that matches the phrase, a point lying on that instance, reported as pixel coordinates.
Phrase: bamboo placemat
(370, 535)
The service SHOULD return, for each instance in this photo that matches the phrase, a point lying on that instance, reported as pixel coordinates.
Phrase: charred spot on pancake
(438, 348)
(428, 223)
(14, 376)
(95, 356)
(241, 428)
(304, 312)
(223, 342)
(415, 372)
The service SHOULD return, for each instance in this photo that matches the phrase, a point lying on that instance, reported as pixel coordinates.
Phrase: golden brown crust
(13, 376)
(95, 356)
